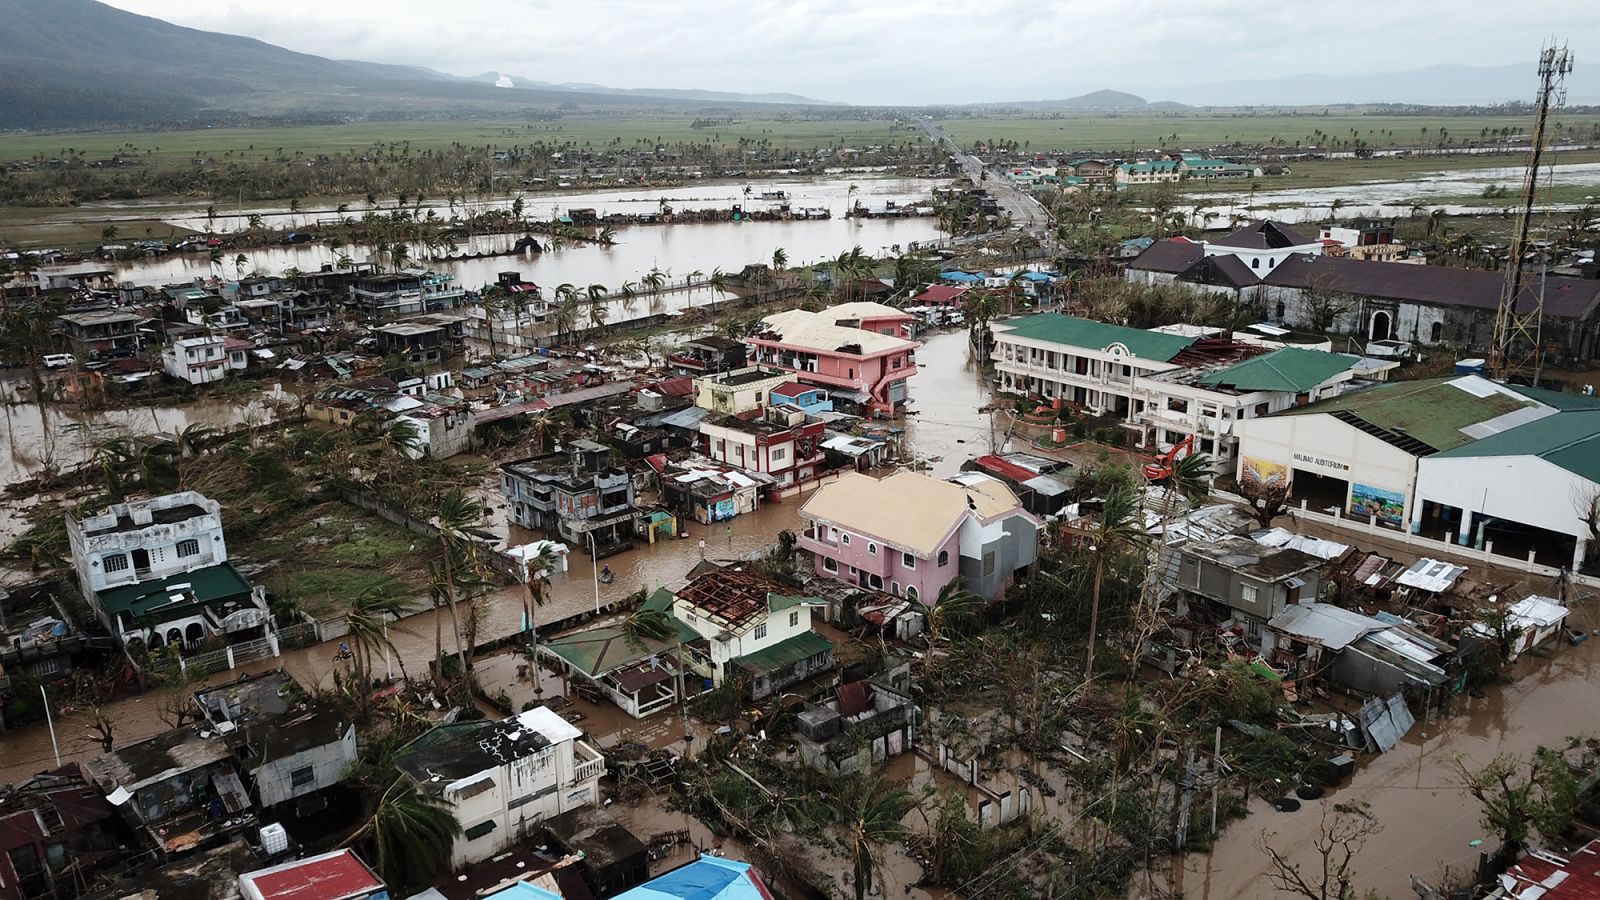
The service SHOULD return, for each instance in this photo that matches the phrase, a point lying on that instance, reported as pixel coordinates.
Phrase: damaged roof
(817, 331)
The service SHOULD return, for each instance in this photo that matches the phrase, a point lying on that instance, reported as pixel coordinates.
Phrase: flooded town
(440, 486)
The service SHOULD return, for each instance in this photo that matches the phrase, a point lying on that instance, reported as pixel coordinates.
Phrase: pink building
(780, 444)
(946, 295)
(864, 367)
(910, 534)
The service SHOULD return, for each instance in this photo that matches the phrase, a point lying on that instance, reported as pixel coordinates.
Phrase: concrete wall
(1321, 444)
(1522, 489)
(274, 778)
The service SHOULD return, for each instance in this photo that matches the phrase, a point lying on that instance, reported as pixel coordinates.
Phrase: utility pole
(1516, 343)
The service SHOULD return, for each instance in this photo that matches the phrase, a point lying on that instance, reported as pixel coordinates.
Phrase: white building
(1502, 463)
(746, 621)
(203, 360)
(1165, 384)
(500, 779)
(1529, 487)
(157, 571)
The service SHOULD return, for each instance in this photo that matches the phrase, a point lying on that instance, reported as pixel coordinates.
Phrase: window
(829, 564)
(116, 562)
(1255, 262)
(844, 538)
(778, 454)
(911, 592)
(944, 557)
(872, 548)
(988, 564)
(875, 582)
(908, 560)
(1252, 626)
(794, 618)
(1247, 593)
(894, 588)
(479, 830)
(303, 776)
(1437, 331)
(188, 548)
(760, 632)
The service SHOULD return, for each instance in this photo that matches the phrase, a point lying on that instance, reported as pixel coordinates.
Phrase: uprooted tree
(1328, 873)
(1268, 499)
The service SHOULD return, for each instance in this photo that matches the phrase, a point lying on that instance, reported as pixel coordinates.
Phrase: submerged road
(1025, 212)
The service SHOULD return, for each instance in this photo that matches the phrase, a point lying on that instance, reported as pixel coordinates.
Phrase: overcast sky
(901, 51)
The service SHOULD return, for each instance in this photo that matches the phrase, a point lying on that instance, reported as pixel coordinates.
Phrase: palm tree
(954, 608)
(872, 813)
(368, 618)
(239, 264)
(412, 833)
(606, 236)
(719, 281)
(542, 424)
(457, 512)
(536, 575)
(1118, 529)
(780, 259)
(494, 300)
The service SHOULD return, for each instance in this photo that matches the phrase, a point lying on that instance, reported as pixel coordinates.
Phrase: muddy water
(946, 394)
(1429, 820)
(1395, 198)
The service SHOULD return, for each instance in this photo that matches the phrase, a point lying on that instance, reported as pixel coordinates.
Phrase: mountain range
(82, 63)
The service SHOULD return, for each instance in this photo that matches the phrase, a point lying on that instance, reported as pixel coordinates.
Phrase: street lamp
(594, 557)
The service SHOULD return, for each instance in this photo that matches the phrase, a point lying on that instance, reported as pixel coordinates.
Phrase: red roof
(332, 876)
(1548, 877)
(940, 293)
(792, 389)
(676, 386)
(1010, 470)
(234, 343)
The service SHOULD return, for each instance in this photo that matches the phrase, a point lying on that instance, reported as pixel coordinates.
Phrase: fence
(230, 657)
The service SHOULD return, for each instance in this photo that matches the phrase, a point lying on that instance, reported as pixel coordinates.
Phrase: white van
(59, 360)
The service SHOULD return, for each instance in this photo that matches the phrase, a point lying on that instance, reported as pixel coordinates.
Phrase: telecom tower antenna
(1520, 316)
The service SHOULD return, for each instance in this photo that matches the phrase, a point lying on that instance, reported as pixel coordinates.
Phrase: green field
(1150, 132)
(176, 148)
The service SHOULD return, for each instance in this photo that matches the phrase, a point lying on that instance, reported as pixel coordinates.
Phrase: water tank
(274, 840)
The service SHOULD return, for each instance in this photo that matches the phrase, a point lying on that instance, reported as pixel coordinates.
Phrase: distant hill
(517, 81)
(81, 63)
(1094, 101)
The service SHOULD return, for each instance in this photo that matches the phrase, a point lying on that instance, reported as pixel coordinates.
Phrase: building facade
(860, 366)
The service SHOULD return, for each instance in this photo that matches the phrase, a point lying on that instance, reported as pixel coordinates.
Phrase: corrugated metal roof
(1288, 369)
(1570, 440)
(1075, 332)
(1433, 411)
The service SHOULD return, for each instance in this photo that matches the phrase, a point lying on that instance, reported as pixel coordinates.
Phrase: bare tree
(1587, 506)
(100, 728)
(1268, 500)
(1344, 831)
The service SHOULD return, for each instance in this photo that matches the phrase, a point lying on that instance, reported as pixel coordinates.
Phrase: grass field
(1320, 173)
(1146, 132)
(176, 148)
(326, 555)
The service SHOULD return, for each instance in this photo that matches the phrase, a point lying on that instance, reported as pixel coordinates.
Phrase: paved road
(1025, 212)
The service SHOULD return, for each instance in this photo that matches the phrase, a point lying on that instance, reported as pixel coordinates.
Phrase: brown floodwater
(946, 428)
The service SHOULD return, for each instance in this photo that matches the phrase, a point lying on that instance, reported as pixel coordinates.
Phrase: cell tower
(1516, 348)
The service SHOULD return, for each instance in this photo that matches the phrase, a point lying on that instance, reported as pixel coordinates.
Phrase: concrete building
(424, 340)
(1361, 454)
(866, 722)
(500, 779)
(404, 293)
(101, 334)
(753, 630)
(738, 392)
(1237, 586)
(288, 744)
(205, 359)
(910, 534)
(865, 368)
(577, 495)
(781, 448)
(157, 571)
(178, 789)
(705, 355)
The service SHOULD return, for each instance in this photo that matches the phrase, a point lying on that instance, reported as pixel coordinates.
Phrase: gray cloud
(893, 51)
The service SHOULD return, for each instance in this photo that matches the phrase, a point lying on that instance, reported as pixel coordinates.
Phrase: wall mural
(1388, 506)
(1259, 473)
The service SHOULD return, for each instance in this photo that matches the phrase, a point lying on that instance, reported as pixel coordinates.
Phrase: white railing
(587, 763)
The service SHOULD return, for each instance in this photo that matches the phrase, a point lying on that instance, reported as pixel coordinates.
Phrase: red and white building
(856, 350)
(339, 875)
(943, 295)
(1547, 876)
(780, 447)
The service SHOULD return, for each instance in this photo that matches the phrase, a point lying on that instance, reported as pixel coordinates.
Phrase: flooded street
(947, 429)
(1429, 820)
(1396, 198)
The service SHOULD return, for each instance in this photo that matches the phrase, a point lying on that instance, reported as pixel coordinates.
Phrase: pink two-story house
(910, 534)
(874, 317)
(780, 444)
(858, 366)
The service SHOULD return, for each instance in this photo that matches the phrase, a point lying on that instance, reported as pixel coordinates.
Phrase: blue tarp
(707, 878)
(960, 277)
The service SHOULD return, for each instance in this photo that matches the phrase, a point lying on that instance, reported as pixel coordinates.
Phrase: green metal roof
(606, 649)
(661, 601)
(785, 653)
(1055, 328)
(1432, 410)
(1569, 439)
(1287, 369)
(201, 587)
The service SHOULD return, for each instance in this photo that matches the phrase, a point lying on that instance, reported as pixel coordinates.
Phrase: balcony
(587, 763)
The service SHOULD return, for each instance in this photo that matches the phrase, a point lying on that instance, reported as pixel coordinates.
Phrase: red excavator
(1161, 469)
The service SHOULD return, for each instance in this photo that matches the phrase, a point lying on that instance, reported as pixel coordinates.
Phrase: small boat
(1575, 637)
